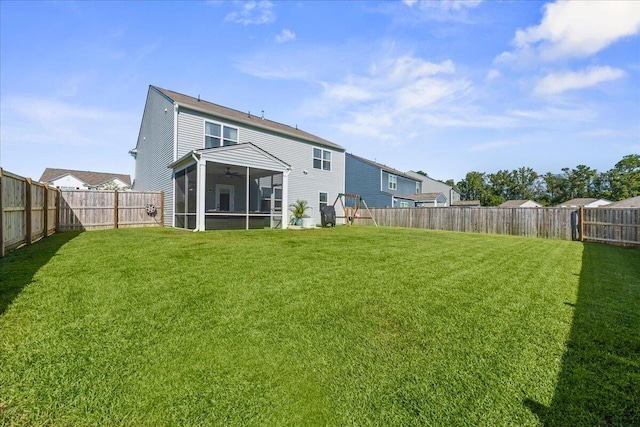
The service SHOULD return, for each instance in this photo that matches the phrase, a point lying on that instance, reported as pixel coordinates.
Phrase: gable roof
(579, 202)
(516, 203)
(383, 167)
(632, 202)
(423, 197)
(88, 177)
(210, 108)
(466, 203)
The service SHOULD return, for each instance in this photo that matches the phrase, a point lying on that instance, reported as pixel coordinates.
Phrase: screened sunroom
(230, 187)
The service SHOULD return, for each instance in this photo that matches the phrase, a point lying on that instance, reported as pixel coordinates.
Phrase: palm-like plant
(298, 210)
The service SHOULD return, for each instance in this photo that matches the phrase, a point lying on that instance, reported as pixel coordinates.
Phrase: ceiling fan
(230, 174)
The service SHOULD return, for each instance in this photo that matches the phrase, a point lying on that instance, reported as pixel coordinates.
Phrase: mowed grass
(347, 326)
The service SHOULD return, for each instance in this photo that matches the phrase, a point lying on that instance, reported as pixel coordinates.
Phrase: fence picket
(31, 210)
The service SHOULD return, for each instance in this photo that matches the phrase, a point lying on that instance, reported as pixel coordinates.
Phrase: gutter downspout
(176, 106)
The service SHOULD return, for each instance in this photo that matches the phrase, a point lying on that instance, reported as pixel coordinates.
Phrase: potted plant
(298, 211)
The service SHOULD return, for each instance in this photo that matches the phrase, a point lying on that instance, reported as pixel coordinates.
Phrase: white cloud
(493, 74)
(559, 82)
(444, 4)
(285, 36)
(489, 146)
(253, 12)
(399, 98)
(59, 123)
(575, 29)
(570, 113)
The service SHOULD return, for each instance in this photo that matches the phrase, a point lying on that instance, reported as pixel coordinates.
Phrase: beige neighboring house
(587, 202)
(520, 204)
(433, 186)
(68, 179)
(632, 202)
(466, 204)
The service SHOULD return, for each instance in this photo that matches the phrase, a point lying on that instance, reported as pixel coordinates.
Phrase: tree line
(550, 189)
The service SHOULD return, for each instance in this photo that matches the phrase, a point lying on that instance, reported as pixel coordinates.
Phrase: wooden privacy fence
(27, 211)
(610, 225)
(32, 210)
(550, 223)
(95, 210)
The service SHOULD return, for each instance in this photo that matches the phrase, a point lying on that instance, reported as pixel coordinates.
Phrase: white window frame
(404, 204)
(392, 181)
(323, 162)
(418, 187)
(320, 202)
(221, 137)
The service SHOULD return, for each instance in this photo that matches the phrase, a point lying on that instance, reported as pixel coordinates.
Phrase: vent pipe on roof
(198, 97)
(262, 117)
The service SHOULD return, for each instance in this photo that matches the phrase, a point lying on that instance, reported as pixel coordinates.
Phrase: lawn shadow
(599, 381)
(17, 268)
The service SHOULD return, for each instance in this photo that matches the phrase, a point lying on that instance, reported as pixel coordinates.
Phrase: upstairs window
(216, 135)
(393, 182)
(321, 159)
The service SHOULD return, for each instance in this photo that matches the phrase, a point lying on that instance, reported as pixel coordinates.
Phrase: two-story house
(380, 185)
(430, 185)
(222, 168)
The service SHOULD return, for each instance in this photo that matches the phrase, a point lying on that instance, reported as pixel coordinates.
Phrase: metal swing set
(352, 204)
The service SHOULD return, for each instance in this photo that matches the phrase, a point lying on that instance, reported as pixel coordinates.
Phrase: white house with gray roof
(222, 168)
(70, 179)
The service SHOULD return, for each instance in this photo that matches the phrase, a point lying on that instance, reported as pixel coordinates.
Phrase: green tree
(523, 184)
(500, 188)
(624, 178)
(472, 187)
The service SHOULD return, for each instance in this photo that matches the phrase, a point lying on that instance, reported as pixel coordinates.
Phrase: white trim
(395, 181)
(201, 194)
(322, 151)
(176, 107)
(327, 202)
(231, 189)
(222, 126)
(285, 198)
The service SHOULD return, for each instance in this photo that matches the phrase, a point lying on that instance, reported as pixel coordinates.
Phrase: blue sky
(446, 87)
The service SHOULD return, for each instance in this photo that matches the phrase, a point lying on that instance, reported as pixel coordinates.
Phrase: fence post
(45, 213)
(27, 210)
(581, 220)
(1, 219)
(58, 208)
(162, 209)
(115, 209)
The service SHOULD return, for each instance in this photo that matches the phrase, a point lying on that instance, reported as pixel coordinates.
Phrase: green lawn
(347, 326)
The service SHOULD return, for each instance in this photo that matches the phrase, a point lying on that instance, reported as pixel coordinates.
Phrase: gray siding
(372, 183)
(430, 185)
(190, 131)
(298, 154)
(364, 179)
(155, 150)
(405, 185)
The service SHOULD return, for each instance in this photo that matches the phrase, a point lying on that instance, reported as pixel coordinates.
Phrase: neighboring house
(379, 185)
(222, 168)
(520, 204)
(587, 202)
(466, 204)
(428, 200)
(68, 179)
(633, 202)
(430, 185)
